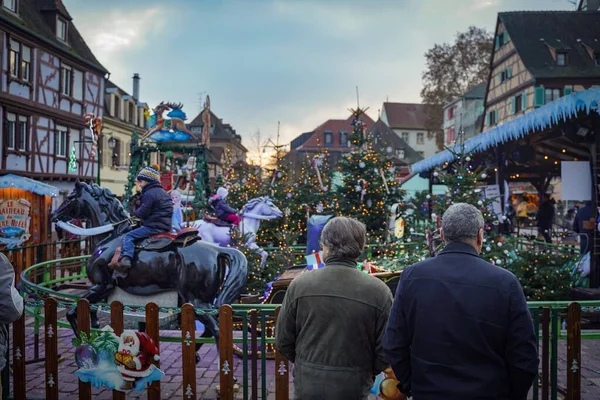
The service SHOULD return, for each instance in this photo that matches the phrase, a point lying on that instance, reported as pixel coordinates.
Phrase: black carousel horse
(164, 262)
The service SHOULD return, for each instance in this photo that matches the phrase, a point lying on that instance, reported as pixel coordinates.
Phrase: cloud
(122, 31)
(481, 4)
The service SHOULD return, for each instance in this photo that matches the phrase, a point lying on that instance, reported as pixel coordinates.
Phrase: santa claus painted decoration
(136, 350)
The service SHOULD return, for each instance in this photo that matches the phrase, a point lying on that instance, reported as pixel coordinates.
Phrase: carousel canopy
(20, 182)
(543, 118)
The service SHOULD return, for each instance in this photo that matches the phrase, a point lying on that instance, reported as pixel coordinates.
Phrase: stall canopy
(12, 181)
(541, 119)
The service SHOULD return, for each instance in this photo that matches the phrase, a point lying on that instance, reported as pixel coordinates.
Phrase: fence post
(83, 326)
(282, 374)
(51, 348)
(188, 343)
(226, 352)
(19, 377)
(574, 351)
(545, 353)
(153, 330)
(116, 323)
(254, 352)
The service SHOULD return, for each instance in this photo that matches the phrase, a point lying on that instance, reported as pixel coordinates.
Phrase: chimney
(136, 86)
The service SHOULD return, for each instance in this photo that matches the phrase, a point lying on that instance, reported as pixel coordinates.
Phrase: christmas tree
(245, 184)
(311, 193)
(368, 186)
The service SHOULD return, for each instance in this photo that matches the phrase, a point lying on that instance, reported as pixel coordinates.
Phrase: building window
(451, 113)
(420, 138)
(17, 129)
(405, 137)
(561, 59)
(328, 137)
(20, 61)
(66, 80)
(10, 5)
(597, 59)
(60, 144)
(196, 130)
(400, 153)
(343, 138)
(61, 29)
(518, 103)
(551, 95)
(131, 113)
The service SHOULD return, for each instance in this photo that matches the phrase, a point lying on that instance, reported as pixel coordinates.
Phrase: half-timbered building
(538, 57)
(49, 80)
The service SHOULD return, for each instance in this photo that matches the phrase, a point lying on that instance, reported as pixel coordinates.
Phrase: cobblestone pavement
(207, 372)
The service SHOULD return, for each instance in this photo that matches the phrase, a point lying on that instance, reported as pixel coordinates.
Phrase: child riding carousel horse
(155, 212)
(223, 211)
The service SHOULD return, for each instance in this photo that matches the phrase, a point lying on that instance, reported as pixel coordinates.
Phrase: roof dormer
(57, 18)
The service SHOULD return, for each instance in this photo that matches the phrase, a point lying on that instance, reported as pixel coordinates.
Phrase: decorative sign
(576, 180)
(73, 162)
(167, 130)
(119, 363)
(315, 261)
(492, 192)
(14, 222)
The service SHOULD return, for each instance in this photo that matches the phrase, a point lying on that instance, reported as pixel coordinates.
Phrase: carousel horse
(216, 231)
(196, 270)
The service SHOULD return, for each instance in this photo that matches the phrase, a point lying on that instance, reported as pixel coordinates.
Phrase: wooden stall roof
(546, 131)
(11, 181)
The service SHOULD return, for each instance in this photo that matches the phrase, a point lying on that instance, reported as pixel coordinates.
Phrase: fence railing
(242, 324)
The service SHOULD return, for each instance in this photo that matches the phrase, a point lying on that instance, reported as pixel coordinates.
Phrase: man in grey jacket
(332, 320)
(11, 306)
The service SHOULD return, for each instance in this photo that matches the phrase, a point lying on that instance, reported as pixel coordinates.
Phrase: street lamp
(112, 142)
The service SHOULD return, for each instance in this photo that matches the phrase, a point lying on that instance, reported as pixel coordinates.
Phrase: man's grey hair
(461, 222)
(344, 237)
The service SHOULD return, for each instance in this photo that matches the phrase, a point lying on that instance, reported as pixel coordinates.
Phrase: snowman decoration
(136, 350)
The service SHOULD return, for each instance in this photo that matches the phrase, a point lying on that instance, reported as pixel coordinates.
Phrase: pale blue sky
(263, 61)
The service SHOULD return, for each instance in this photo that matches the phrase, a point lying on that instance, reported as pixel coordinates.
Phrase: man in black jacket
(459, 327)
(155, 211)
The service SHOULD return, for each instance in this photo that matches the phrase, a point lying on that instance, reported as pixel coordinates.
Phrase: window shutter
(497, 42)
(567, 91)
(505, 37)
(513, 104)
(495, 117)
(500, 77)
(524, 101)
(538, 96)
(487, 118)
(508, 73)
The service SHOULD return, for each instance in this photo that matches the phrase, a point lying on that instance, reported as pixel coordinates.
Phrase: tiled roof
(221, 130)
(405, 115)
(335, 126)
(477, 92)
(32, 20)
(533, 31)
(384, 136)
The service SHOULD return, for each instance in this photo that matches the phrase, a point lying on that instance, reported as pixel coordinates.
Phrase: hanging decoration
(95, 125)
(363, 192)
(73, 162)
(387, 189)
(316, 163)
(124, 363)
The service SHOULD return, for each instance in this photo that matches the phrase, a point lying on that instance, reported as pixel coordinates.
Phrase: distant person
(522, 213)
(459, 327)
(222, 209)
(11, 306)
(545, 218)
(332, 320)
(584, 224)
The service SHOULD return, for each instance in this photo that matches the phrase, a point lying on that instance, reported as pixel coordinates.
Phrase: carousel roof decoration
(545, 117)
(11, 181)
(169, 129)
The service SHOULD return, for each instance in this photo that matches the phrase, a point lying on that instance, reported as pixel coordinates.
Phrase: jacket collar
(458, 247)
(151, 185)
(346, 262)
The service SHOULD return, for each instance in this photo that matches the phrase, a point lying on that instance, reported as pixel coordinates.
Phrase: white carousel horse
(219, 233)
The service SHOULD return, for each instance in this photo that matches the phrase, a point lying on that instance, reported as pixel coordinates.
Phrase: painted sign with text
(14, 222)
